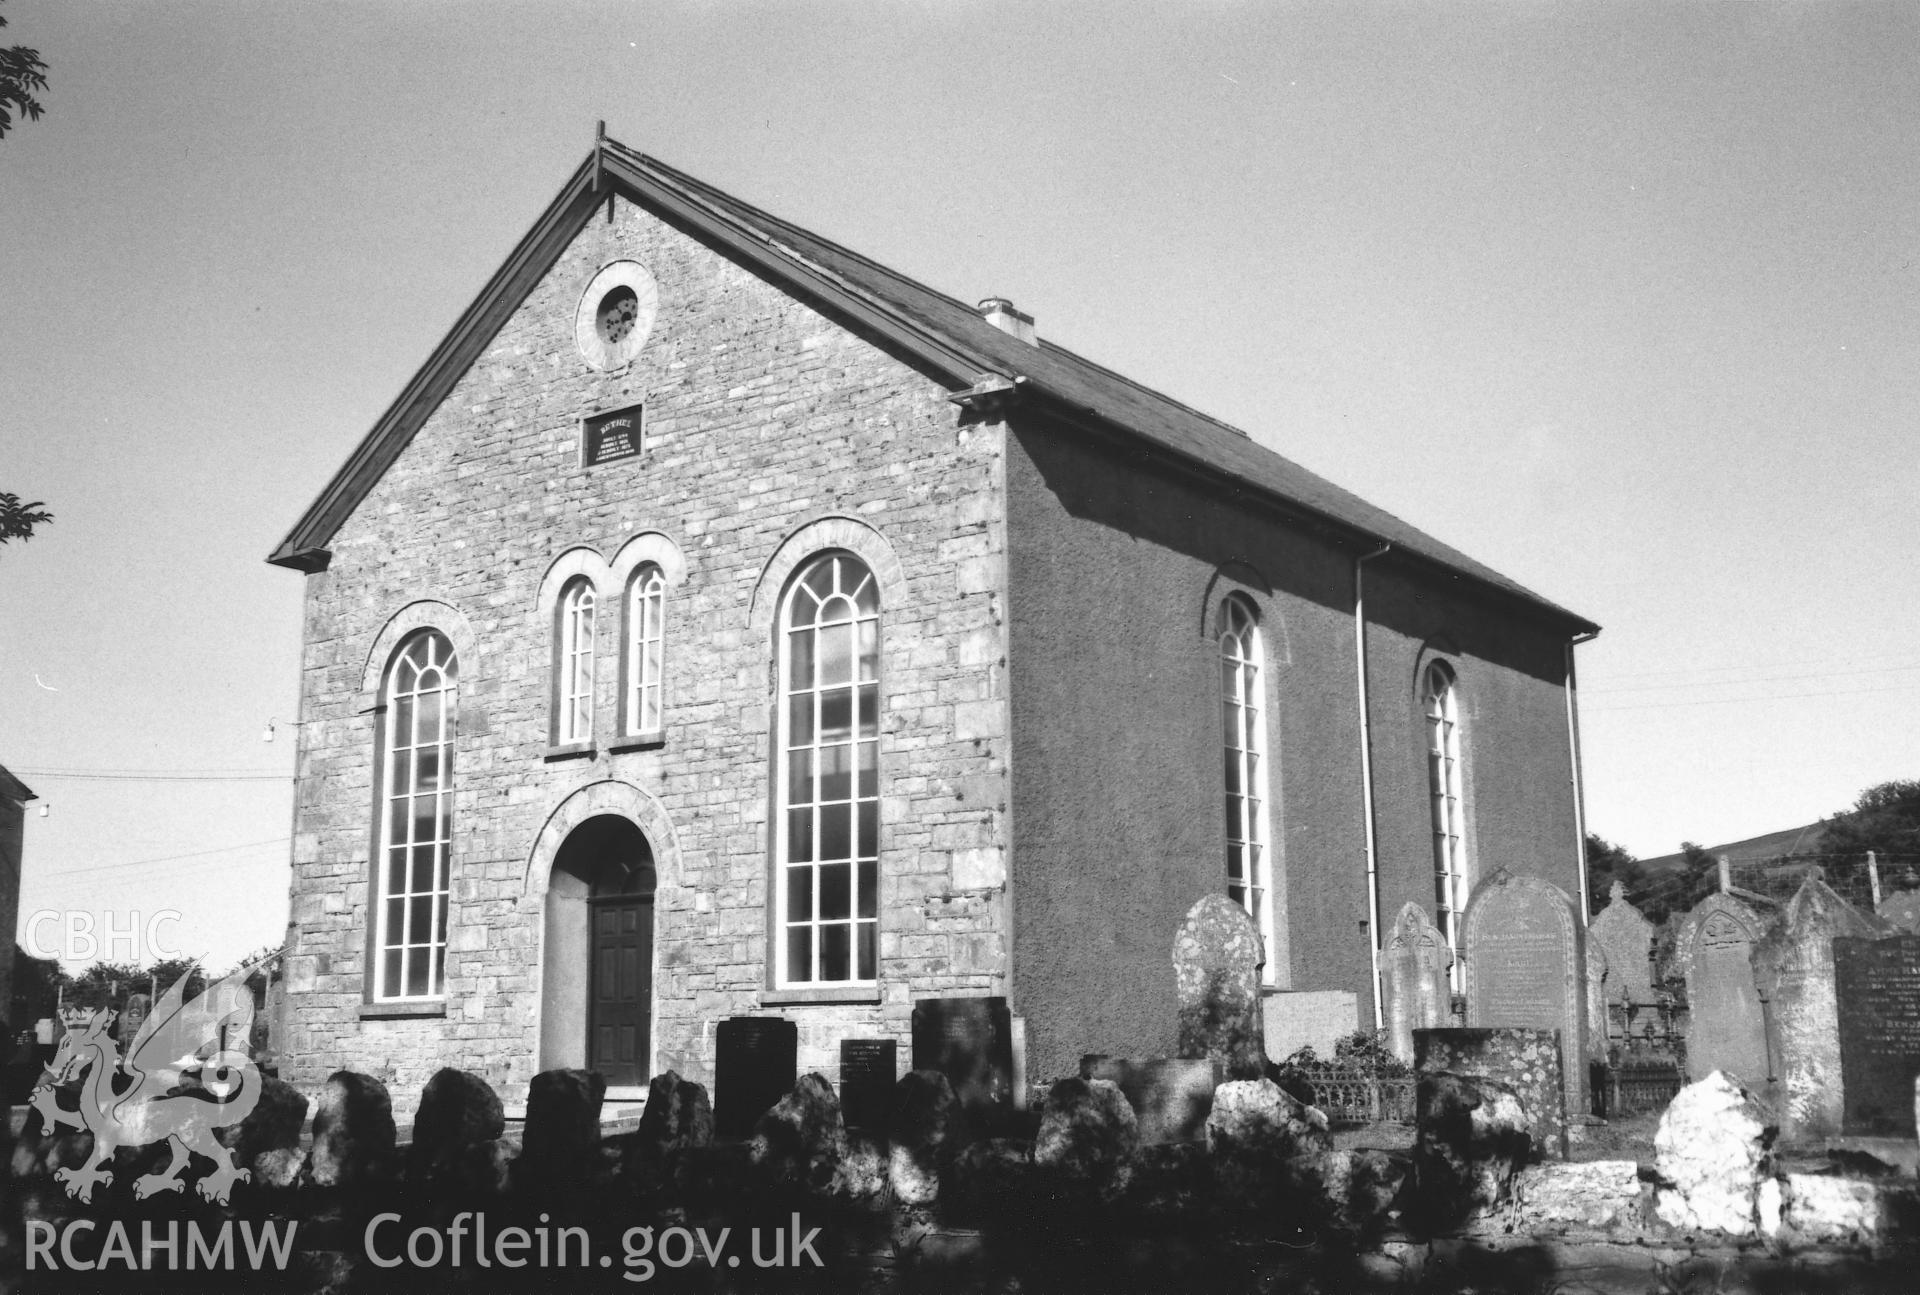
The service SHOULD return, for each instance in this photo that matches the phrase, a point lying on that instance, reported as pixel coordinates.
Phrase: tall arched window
(1243, 715)
(416, 819)
(574, 652)
(646, 643)
(828, 822)
(1439, 695)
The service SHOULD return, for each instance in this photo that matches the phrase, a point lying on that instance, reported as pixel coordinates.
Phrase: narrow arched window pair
(412, 870)
(1440, 699)
(827, 752)
(1244, 724)
(643, 658)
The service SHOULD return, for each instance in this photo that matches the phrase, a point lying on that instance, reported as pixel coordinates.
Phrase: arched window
(1243, 716)
(574, 663)
(416, 818)
(646, 642)
(1439, 696)
(827, 825)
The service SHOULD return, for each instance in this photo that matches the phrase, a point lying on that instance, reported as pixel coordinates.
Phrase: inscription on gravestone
(755, 1064)
(868, 1070)
(970, 1041)
(1878, 987)
(1521, 970)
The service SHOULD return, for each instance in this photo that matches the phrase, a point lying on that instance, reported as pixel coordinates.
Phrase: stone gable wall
(762, 416)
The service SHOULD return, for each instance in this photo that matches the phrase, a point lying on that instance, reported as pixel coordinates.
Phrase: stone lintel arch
(424, 613)
(566, 930)
(820, 535)
(580, 560)
(1237, 576)
(648, 547)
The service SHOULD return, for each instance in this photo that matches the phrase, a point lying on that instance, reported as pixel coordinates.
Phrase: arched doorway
(597, 1009)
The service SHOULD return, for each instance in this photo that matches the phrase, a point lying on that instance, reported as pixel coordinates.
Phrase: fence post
(1873, 876)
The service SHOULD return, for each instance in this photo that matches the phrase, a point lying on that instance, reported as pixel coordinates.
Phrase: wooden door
(620, 1008)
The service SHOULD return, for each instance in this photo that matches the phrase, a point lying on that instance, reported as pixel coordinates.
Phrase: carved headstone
(1727, 1028)
(1216, 974)
(1901, 910)
(869, 1068)
(1878, 991)
(1523, 969)
(1793, 968)
(755, 1064)
(970, 1041)
(1627, 937)
(1599, 994)
(1415, 994)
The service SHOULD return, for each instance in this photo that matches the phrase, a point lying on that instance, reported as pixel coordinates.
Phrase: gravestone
(869, 1068)
(1627, 938)
(1793, 969)
(1415, 992)
(970, 1041)
(1527, 1062)
(754, 1066)
(1216, 974)
(1877, 983)
(1901, 910)
(1599, 985)
(1523, 969)
(1726, 1023)
(1170, 1098)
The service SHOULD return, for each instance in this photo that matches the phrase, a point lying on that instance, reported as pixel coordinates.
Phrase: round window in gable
(615, 315)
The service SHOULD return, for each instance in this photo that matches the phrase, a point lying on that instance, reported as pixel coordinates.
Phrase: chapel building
(720, 624)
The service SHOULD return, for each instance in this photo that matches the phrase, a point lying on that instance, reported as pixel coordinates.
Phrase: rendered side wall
(1116, 568)
(762, 416)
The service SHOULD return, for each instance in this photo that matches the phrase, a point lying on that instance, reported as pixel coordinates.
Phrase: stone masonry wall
(762, 416)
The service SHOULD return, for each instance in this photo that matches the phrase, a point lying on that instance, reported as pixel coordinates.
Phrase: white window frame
(1243, 713)
(646, 651)
(406, 740)
(1440, 703)
(573, 688)
(801, 831)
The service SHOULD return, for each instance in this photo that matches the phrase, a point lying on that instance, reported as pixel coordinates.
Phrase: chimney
(999, 312)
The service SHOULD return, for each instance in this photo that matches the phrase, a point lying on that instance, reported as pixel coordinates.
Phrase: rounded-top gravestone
(1416, 991)
(1216, 971)
(1522, 968)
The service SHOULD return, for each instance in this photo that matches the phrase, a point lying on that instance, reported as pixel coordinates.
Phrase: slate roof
(947, 334)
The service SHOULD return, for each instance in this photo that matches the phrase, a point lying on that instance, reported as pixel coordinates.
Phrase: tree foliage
(22, 75)
(1885, 819)
(1606, 864)
(17, 520)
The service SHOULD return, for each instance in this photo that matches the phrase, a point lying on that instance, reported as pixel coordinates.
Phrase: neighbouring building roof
(11, 788)
(944, 333)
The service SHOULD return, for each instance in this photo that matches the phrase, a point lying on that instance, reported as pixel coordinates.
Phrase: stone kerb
(1416, 991)
(1793, 968)
(1524, 967)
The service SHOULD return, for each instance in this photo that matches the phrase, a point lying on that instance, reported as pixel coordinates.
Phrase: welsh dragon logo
(179, 1037)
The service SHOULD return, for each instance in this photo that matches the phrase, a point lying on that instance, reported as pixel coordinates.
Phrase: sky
(1618, 298)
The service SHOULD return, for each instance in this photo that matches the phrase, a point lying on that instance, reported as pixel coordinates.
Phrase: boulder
(1470, 1142)
(1087, 1132)
(1169, 1182)
(273, 1124)
(485, 1168)
(802, 1140)
(863, 1170)
(352, 1132)
(278, 1168)
(561, 1138)
(678, 1116)
(1712, 1150)
(1352, 1193)
(458, 1112)
(927, 1130)
(1595, 1194)
(1256, 1117)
